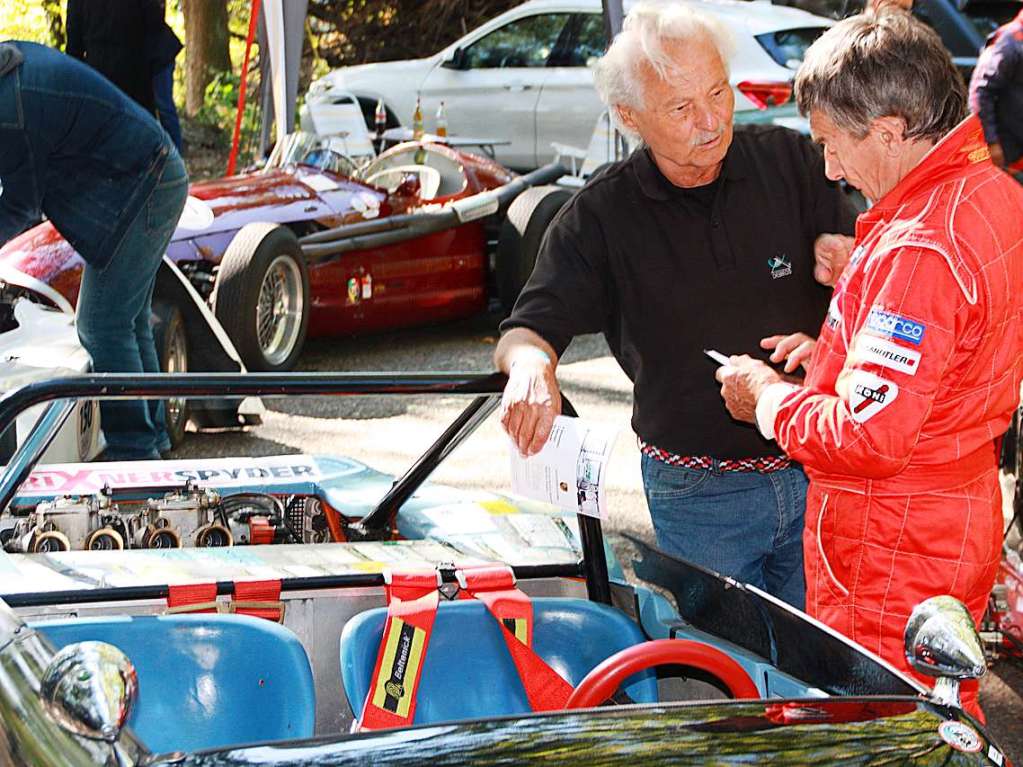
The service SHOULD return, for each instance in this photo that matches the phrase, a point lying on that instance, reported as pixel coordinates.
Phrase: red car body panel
(1005, 615)
(438, 277)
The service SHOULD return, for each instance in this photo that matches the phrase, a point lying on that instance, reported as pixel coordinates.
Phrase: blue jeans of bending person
(114, 324)
(745, 525)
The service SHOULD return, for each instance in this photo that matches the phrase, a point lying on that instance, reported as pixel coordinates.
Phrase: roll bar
(376, 524)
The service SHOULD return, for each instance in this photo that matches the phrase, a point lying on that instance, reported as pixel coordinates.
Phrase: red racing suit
(915, 376)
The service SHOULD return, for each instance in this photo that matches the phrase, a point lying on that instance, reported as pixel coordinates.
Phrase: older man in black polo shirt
(699, 240)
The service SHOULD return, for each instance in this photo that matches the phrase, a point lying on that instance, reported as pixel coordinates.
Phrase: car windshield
(741, 615)
(322, 152)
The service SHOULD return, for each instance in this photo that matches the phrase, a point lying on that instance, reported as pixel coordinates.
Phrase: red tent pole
(253, 21)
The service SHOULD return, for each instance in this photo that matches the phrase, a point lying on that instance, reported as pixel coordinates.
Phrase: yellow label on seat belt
(518, 627)
(403, 654)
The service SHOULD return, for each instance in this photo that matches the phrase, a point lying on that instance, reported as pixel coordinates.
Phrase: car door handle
(518, 87)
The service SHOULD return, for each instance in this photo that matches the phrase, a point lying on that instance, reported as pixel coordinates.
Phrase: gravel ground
(389, 432)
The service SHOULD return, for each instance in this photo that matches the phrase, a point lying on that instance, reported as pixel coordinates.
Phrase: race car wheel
(262, 297)
(600, 684)
(172, 349)
(529, 216)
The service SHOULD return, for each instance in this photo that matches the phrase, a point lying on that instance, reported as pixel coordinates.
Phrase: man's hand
(742, 380)
(796, 349)
(831, 253)
(997, 155)
(531, 401)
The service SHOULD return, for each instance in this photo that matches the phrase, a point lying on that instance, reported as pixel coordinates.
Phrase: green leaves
(34, 20)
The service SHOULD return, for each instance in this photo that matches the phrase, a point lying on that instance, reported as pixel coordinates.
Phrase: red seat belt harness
(494, 586)
(412, 598)
(412, 601)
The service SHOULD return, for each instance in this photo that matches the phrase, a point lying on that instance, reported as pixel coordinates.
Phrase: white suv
(523, 76)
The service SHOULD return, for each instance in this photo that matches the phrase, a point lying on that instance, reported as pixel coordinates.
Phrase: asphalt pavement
(388, 433)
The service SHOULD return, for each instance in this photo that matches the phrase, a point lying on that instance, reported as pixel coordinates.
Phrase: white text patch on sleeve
(885, 353)
(869, 395)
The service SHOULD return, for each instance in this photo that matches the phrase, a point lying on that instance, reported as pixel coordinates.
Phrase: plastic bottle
(380, 118)
(417, 121)
(442, 122)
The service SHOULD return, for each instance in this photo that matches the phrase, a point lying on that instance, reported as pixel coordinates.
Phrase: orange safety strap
(192, 598)
(260, 599)
(494, 586)
(412, 599)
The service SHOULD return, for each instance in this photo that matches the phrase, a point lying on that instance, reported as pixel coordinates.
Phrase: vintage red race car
(1002, 629)
(312, 245)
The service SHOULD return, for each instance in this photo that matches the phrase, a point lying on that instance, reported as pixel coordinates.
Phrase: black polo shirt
(666, 272)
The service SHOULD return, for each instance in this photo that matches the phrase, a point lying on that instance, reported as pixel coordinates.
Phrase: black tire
(172, 349)
(529, 216)
(255, 251)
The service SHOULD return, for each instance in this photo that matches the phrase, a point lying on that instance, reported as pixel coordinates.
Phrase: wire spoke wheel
(176, 362)
(279, 309)
(262, 296)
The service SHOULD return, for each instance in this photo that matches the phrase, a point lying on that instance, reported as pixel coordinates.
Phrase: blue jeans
(163, 90)
(114, 308)
(745, 525)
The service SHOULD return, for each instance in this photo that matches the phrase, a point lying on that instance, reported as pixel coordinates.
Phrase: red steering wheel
(601, 683)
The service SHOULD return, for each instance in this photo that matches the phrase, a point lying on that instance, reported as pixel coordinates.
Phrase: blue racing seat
(206, 680)
(468, 671)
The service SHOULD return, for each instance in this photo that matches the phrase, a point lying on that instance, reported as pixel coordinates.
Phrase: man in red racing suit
(915, 375)
(913, 379)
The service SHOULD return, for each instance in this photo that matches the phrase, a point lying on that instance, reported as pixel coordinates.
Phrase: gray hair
(645, 31)
(886, 64)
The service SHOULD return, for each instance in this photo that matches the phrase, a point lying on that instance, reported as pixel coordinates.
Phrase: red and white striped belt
(763, 465)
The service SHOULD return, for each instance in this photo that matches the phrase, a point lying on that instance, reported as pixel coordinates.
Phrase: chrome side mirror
(941, 641)
(89, 689)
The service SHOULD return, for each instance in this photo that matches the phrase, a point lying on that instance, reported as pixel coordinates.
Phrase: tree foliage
(359, 31)
(40, 21)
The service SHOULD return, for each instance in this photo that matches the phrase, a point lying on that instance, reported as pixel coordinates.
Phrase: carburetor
(70, 522)
(189, 517)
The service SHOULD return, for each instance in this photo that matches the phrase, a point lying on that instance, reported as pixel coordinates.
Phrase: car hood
(848, 732)
(44, 345)
(374, 77)
(276, 196)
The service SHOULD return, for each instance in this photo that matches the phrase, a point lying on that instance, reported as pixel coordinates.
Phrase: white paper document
(571, 470)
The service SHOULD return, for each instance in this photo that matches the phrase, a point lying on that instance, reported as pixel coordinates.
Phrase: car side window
(585, 42)
(524, 43)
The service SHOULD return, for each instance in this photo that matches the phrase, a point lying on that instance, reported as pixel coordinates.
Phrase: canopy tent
(281, 27)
